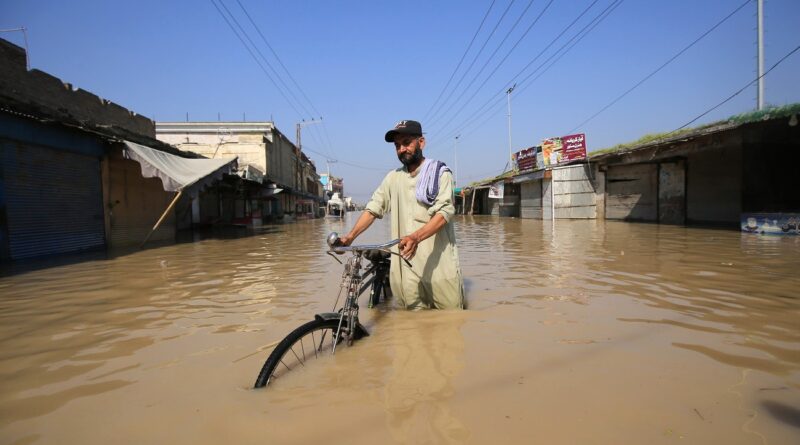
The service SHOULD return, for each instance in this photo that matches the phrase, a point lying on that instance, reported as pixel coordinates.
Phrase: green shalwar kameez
(434, 280)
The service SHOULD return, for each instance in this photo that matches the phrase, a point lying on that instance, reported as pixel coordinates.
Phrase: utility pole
(510, 150)
(760, 98)
(300, 126)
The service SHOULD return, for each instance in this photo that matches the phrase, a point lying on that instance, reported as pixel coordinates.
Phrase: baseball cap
(404, 127)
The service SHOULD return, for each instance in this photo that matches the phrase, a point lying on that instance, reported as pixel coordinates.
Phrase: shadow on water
(784, 413)
(28, 265)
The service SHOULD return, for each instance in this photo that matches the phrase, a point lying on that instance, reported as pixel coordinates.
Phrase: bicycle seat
(376, 255)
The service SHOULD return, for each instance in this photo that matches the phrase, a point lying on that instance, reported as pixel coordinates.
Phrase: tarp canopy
(177, 173)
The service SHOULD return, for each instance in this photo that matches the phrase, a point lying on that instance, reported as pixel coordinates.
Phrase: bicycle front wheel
(302, 346)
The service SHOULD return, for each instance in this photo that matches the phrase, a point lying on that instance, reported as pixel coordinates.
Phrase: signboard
(551, 151)
(771, 223)
(496, 190)
(525, 159)
(564, 149)
(574, 147)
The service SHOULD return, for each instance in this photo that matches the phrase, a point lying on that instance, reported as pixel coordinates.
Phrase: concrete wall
(250, 148)
(672, 192)
(574, 192)
(283, 165)
(51, 96)
(547, 198)
(714, 185)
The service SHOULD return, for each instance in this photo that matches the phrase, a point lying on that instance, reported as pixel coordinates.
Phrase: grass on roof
(744, 118)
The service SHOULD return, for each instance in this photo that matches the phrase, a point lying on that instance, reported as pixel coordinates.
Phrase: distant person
(419, 197)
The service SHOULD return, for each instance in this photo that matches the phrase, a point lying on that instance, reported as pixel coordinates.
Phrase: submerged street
(576, 332)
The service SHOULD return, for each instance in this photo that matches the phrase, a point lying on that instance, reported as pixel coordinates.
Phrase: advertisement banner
(496, 190)
(574, 147)
(562, 150)
(551, 151)
(525, 159)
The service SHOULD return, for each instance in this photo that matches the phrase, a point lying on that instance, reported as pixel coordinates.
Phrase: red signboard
(525, 159)
(574, 147)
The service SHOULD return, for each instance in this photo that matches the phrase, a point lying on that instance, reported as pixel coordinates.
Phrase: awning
(177, 173)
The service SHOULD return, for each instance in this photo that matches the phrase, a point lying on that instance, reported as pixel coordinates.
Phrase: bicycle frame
(354, 283)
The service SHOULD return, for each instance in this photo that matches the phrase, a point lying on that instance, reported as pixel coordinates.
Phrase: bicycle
(329, 329)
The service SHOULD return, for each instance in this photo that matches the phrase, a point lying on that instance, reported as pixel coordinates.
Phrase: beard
(411, 159)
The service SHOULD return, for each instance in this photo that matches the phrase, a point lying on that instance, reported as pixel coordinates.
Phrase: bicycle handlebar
(333, 239)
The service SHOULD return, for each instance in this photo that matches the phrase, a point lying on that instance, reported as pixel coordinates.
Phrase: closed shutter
(53, 201)
(632, 192)
(531, 199)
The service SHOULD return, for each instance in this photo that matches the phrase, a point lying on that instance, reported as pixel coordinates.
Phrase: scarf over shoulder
(428, 181)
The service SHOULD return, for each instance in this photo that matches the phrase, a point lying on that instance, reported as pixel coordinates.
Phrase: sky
(358, 67)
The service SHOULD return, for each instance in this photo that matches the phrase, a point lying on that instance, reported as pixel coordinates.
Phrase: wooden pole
(163, 215)
(472, 205)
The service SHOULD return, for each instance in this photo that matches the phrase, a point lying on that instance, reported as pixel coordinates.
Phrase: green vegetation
(771, 112)
(739, 119)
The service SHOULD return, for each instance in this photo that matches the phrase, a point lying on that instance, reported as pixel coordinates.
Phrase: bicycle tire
(288, 347)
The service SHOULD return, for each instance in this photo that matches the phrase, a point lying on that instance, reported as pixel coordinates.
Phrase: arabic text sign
(574, 147)
(525, 159)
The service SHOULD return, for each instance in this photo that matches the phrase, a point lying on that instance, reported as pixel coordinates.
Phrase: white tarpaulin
(177, 173)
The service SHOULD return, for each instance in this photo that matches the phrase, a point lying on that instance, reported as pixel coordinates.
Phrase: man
(419, 198)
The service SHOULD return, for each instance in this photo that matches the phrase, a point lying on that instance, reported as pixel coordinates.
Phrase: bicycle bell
(333, 238)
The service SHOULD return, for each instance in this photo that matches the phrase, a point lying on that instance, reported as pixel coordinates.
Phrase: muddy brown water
(578, 332)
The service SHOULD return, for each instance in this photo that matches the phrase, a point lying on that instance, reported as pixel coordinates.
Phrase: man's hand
(346, 240)
(408, 246)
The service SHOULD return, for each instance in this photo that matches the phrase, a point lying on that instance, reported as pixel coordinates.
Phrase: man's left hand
(408, 246)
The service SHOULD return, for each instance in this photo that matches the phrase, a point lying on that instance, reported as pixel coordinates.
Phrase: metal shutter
(53, 201)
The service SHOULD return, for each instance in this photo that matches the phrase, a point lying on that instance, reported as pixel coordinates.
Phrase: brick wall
(49, 96)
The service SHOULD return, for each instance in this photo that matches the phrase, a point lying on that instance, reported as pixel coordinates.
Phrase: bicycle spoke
(297, 357)
(315, 344)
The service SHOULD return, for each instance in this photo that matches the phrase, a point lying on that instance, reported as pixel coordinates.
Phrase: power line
(460, 61)
(294, 81)
(274, 71)
(660, 67)
(495, 69)
(498, 99)
(474, 78)
(461, 79)
(252, 54)
(737, 92)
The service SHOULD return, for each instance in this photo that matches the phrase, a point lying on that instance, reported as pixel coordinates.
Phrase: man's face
(409, 148)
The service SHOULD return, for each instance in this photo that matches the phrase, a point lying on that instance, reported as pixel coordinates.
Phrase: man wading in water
(419, 197)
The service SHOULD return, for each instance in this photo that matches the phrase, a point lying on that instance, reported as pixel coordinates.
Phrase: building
(288, 183)
(711, 175)
(69, 179)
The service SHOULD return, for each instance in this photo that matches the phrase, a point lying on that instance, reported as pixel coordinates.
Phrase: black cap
(404, 127)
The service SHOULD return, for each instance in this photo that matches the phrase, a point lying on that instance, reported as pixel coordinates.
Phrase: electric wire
(329, 146)
(494, 103)
(486, 64)
(447, 84)
(737, 92)
(480, 51)
(258, 62)
(678, 54)
(274, 71)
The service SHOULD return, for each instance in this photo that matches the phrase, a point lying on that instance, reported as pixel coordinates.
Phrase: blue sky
(363, 65)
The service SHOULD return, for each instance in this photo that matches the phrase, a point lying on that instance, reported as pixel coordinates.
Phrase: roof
(658, 139)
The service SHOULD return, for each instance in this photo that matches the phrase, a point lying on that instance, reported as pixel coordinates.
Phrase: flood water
(578, 332)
